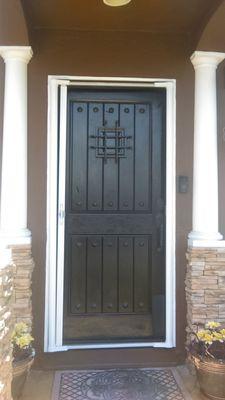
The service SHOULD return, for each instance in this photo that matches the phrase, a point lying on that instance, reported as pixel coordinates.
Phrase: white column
(205, 173)
(13, 212)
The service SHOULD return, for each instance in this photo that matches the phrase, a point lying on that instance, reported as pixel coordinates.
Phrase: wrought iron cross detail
(111, 143)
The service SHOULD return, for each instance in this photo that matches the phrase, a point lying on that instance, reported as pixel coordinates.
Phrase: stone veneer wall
(6, 291)
(205, 286)
(24, 265)
(15, 305)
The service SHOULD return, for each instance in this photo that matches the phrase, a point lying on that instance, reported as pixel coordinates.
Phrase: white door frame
(56, 202)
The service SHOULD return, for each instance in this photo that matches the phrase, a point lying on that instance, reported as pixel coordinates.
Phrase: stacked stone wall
(6, 325)
(22, 301)
(16, 266)
(205, 286)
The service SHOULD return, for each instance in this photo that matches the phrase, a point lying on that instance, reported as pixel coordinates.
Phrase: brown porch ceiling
(161, 16)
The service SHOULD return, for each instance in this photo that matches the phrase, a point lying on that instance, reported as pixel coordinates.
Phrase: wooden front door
(115, 220)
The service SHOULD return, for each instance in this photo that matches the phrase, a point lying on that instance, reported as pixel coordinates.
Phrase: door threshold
(94, 346)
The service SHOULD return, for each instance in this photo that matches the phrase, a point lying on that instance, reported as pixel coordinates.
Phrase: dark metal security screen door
(115, 221)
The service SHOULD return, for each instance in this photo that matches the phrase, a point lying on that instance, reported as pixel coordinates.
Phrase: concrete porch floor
(39, 384)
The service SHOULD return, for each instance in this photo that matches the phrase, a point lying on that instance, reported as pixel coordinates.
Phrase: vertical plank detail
(78, 151)
(94, 163)
(126, 165)
(142, 157)
(142, 274)
(94, 274)
(111, 117)
(78, 274)
(126, 274)
(110, 274)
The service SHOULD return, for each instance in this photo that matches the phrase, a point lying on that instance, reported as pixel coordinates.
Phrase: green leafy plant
(209, 342)
(21, 342)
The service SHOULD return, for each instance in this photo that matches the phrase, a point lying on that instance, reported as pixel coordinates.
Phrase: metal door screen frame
(57, 99)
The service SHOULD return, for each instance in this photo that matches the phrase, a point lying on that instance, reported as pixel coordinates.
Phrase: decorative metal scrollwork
(111, 143)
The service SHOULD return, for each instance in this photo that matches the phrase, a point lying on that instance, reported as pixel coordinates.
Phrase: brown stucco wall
(13, 28)
(213, 36)
(105, 54)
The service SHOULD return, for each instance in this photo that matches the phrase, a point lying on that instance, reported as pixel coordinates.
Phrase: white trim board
(53, 340)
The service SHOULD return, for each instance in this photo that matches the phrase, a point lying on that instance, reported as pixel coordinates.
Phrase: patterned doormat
(119, 384)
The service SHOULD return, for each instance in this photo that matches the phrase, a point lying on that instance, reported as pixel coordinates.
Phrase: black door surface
(115, 216)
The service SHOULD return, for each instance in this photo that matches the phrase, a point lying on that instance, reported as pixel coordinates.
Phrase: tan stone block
(212, 316)
(204, 279)
(24, 274)
(22, 294)
(211, 258)
(23, 314)
(198, 308)
(199, 311)
(196, 273)
(214, 272)
(213, 308)
(24, 263)
(218, 263)
(196, 259)
(20, 282)
(197, 263)
(196, 300)
(215, 293)
(23, 302)
(198, 292)
(211, 300)
(221, 298)
(199, 319)
(216, 267)
(221, 314)
(206, 285)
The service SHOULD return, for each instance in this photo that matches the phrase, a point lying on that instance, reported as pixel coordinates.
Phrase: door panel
(115, 222)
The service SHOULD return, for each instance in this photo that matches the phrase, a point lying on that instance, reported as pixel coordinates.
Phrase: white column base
(206, 243)
(204, 239)
(22, 236)
(196, 235)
